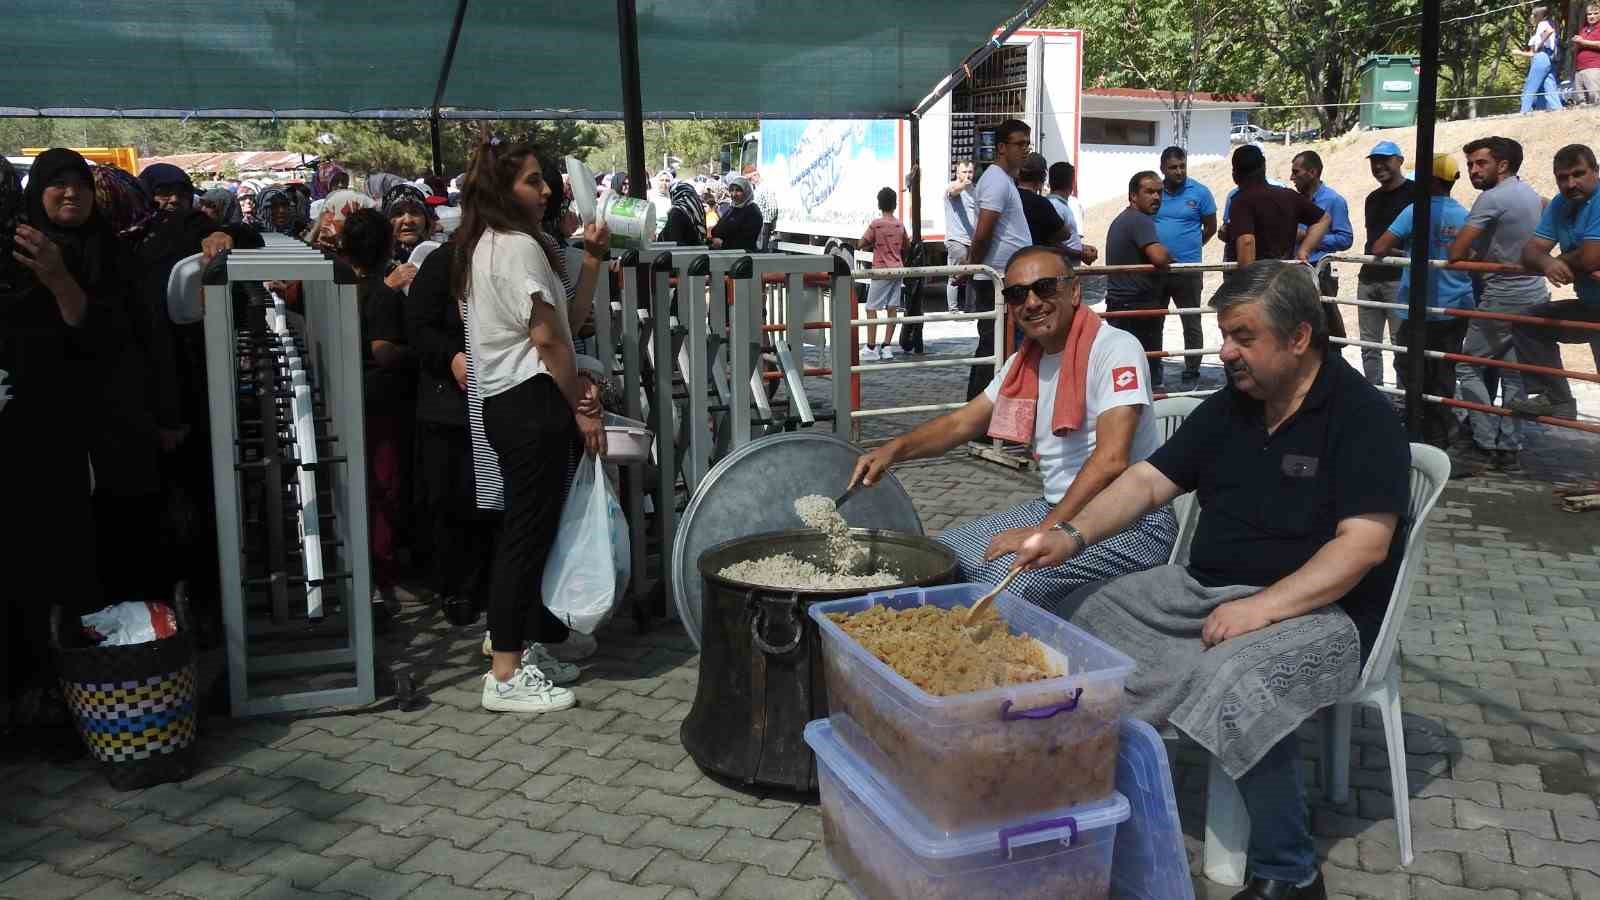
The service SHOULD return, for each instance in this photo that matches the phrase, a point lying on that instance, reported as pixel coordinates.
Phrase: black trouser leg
(983, 301)
(1148, 330)
(1183, 289)
(532, 430)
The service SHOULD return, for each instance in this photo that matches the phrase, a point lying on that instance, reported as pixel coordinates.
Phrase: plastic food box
(988, 757)
(627, 440)
(1150, 862)
(887, 850)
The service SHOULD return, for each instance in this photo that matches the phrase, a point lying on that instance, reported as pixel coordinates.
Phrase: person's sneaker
(1469, 462)
(1541, 405)
(528, 691)
(557, 671)
(1508, 461)
(577, 647)
(886, 352)
(869, 354)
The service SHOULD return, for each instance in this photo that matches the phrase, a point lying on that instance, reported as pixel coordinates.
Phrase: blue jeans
(1280, 836)
(1541, 84)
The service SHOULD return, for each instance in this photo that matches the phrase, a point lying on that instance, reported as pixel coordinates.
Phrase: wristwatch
(1073, 533)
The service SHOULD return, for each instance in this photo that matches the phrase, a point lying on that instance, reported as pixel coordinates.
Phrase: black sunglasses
(1046, 288)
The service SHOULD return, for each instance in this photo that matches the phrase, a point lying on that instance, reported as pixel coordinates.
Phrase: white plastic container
(627, 440)
(886, 850)
(632, 221)
(988, 757)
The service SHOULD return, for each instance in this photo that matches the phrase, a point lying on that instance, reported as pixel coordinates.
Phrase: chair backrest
(1170, 414)
(1430, 471)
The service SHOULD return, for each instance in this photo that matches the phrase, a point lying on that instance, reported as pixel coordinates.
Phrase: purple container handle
(1043, 712)
(1016, 831)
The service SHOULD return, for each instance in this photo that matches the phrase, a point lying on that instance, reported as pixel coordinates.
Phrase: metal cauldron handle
(759, 616)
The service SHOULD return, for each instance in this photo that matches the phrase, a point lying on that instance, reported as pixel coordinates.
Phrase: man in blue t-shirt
(1445, 288)
(1186, 221)
(1572, 221)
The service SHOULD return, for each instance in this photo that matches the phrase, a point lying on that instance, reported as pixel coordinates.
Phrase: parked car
(1248, 134)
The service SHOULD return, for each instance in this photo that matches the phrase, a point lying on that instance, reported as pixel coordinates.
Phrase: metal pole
(632, 103)
(916, 179)
(433, 137)
(1421, 216)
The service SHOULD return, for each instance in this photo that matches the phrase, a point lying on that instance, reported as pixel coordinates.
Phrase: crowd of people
(1171, 217)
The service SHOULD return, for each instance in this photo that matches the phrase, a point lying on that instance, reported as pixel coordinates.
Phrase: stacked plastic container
(1032, 790)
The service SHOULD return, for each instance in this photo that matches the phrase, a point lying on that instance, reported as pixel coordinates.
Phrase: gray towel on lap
(1237, 699)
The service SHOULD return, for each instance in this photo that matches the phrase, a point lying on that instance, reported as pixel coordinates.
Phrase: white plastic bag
(590, 564)
(133, 622)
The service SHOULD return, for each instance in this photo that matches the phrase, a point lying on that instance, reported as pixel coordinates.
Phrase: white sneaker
(557, 671)
(578, 646)
(869, 354)
(886, 352)
(528, 691)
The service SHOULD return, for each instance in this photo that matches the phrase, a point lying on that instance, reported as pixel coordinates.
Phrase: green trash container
(1389, 90)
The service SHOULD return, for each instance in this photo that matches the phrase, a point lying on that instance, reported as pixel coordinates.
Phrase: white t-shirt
(960, 215)
(1543, 35)
(509, 274)
(1071, 212)
(998, 193)
(1118, 376)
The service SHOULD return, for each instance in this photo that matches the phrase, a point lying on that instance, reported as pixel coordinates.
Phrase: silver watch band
(1072, 532)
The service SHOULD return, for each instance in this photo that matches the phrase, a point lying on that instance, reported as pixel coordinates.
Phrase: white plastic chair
(1170, 415)
(1227, 820)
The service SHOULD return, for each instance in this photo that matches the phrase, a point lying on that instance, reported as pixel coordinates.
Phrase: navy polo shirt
(1268, 503)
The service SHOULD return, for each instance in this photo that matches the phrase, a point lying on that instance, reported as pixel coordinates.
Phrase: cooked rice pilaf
(937, 651)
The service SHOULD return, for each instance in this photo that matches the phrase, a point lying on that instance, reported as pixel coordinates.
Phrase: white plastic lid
(581, 184)
(919, 835)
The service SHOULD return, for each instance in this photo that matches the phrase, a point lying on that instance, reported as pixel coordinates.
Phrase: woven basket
(134, 705)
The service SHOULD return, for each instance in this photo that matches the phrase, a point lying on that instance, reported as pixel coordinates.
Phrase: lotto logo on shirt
(1124, 378)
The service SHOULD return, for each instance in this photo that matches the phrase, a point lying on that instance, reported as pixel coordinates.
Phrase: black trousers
(1148, 330)
(982, 301)
(1183, 290)
(1438, 376)
(911, 335)
(532, 431)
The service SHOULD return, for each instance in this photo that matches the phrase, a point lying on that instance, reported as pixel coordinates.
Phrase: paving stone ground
(1502, 716)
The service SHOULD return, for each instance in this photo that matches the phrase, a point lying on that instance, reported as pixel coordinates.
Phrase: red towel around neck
(1014, 412)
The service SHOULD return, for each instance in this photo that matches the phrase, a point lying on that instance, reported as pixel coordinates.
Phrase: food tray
(988, 757)
(627, 440)
(886, 850)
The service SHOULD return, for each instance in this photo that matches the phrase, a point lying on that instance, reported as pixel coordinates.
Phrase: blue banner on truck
(823, 175)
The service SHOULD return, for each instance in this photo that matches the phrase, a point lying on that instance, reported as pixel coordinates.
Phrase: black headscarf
(88, 249)
(687, 201)
(13, 275)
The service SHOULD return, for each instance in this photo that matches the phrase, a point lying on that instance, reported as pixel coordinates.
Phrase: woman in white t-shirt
(1541, 84)
(537, 414)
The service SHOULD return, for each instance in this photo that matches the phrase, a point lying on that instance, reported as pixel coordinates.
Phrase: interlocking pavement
(1502, 715)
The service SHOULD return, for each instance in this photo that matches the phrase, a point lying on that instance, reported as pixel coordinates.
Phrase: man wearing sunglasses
(1301, 472)
(1078, 391)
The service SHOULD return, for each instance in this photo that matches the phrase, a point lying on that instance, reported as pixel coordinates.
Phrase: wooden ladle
(986, 599)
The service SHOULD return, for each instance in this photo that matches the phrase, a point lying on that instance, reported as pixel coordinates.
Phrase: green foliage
(1290, 53)
(697, 142)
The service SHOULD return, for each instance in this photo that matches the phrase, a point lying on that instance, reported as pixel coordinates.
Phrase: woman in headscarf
(379, 184)
(276, 212)
(60, 326)
(686, 221)
(388, 395)
(330, 177)
(324, 234)
(121, 199)
(740, 227)
(222, 206)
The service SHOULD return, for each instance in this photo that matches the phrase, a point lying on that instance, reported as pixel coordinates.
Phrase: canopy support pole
(436, 144)
(439, 86)
(632, 104)
(915, 178)
(1421, 215)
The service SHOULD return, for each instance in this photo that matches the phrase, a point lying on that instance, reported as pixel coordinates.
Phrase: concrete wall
(1104, 169)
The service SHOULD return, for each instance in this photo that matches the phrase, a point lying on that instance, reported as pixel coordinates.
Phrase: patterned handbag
(134, 705)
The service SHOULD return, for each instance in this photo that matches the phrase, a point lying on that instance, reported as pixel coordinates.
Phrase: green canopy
(264, 58)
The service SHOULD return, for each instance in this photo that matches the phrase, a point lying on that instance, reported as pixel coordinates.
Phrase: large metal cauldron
(761, 658)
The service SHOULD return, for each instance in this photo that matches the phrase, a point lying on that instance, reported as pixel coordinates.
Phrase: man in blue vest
(1186, 221)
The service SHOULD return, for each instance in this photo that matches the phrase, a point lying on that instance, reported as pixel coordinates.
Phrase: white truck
(821, 177)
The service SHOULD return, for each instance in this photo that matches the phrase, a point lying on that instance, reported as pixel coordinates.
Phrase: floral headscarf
(328, 179)
(121, 198)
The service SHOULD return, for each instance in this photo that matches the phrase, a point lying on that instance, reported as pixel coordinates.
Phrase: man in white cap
(1381, 283)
